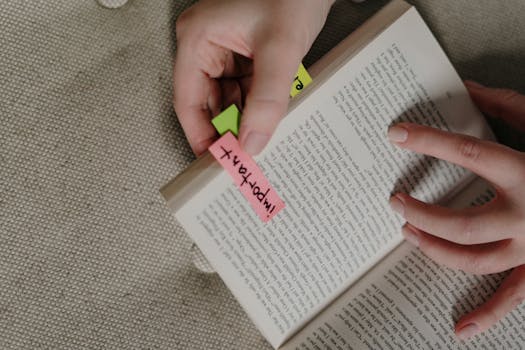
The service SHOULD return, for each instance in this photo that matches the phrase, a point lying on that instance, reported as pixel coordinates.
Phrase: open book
(331, 271)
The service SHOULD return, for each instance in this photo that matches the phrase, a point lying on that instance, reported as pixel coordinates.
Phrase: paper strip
(247, 176)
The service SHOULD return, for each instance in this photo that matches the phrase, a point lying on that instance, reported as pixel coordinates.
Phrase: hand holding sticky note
(247, 176)
(242, 168)
(229, 119)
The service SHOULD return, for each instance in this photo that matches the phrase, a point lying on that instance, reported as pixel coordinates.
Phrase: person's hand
(484, 239)
(234, 51)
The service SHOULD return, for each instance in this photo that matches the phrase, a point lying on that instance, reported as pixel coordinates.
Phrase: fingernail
(397, 134)
(474, 84)
(397, 205)
(255, 142)
(468, 331)
(411, 236)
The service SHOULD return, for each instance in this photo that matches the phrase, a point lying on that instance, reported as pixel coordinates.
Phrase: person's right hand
(235, 51)
(485, 239)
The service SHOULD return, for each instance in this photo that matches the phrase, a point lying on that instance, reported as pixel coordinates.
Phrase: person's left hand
(483, 239)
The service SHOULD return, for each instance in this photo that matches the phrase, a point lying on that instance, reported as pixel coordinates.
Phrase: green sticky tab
(302, 80)
(228, 120)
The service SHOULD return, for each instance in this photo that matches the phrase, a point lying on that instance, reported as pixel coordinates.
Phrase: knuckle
(184, 21)
(214, 62)
(469, 148)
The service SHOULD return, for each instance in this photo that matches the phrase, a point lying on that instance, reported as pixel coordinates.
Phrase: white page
(331, 163)
(409, 302)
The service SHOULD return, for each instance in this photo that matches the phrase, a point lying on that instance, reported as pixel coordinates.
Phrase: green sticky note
(302, 80)
(228, 120)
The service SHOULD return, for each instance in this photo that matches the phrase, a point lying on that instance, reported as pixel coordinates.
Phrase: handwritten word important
(247, 176)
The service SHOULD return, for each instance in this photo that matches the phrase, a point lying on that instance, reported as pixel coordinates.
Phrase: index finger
(192, 92)
(499, 164)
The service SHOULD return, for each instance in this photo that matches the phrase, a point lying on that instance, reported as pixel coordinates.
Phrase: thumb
(274, 67)
(509, 295)
(500, 103)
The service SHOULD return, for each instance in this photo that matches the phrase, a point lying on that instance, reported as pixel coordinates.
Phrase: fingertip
(253, 142)
(468, 326)
(259, 121)
(466, 331)
(464, 320)
(478, 93)
(397, 133)
(402, 196)
(397, 204)
(411, 235)
(473, 85)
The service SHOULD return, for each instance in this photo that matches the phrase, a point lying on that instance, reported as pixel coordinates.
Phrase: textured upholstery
(90, 258)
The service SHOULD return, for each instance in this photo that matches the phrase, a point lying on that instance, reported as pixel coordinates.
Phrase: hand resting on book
(483, 239)
(242, 52)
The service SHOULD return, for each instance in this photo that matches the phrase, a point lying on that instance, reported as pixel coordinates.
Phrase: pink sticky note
(247, 176)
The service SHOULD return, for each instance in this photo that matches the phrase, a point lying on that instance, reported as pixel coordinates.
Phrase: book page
(331, 163)
(410, 302)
